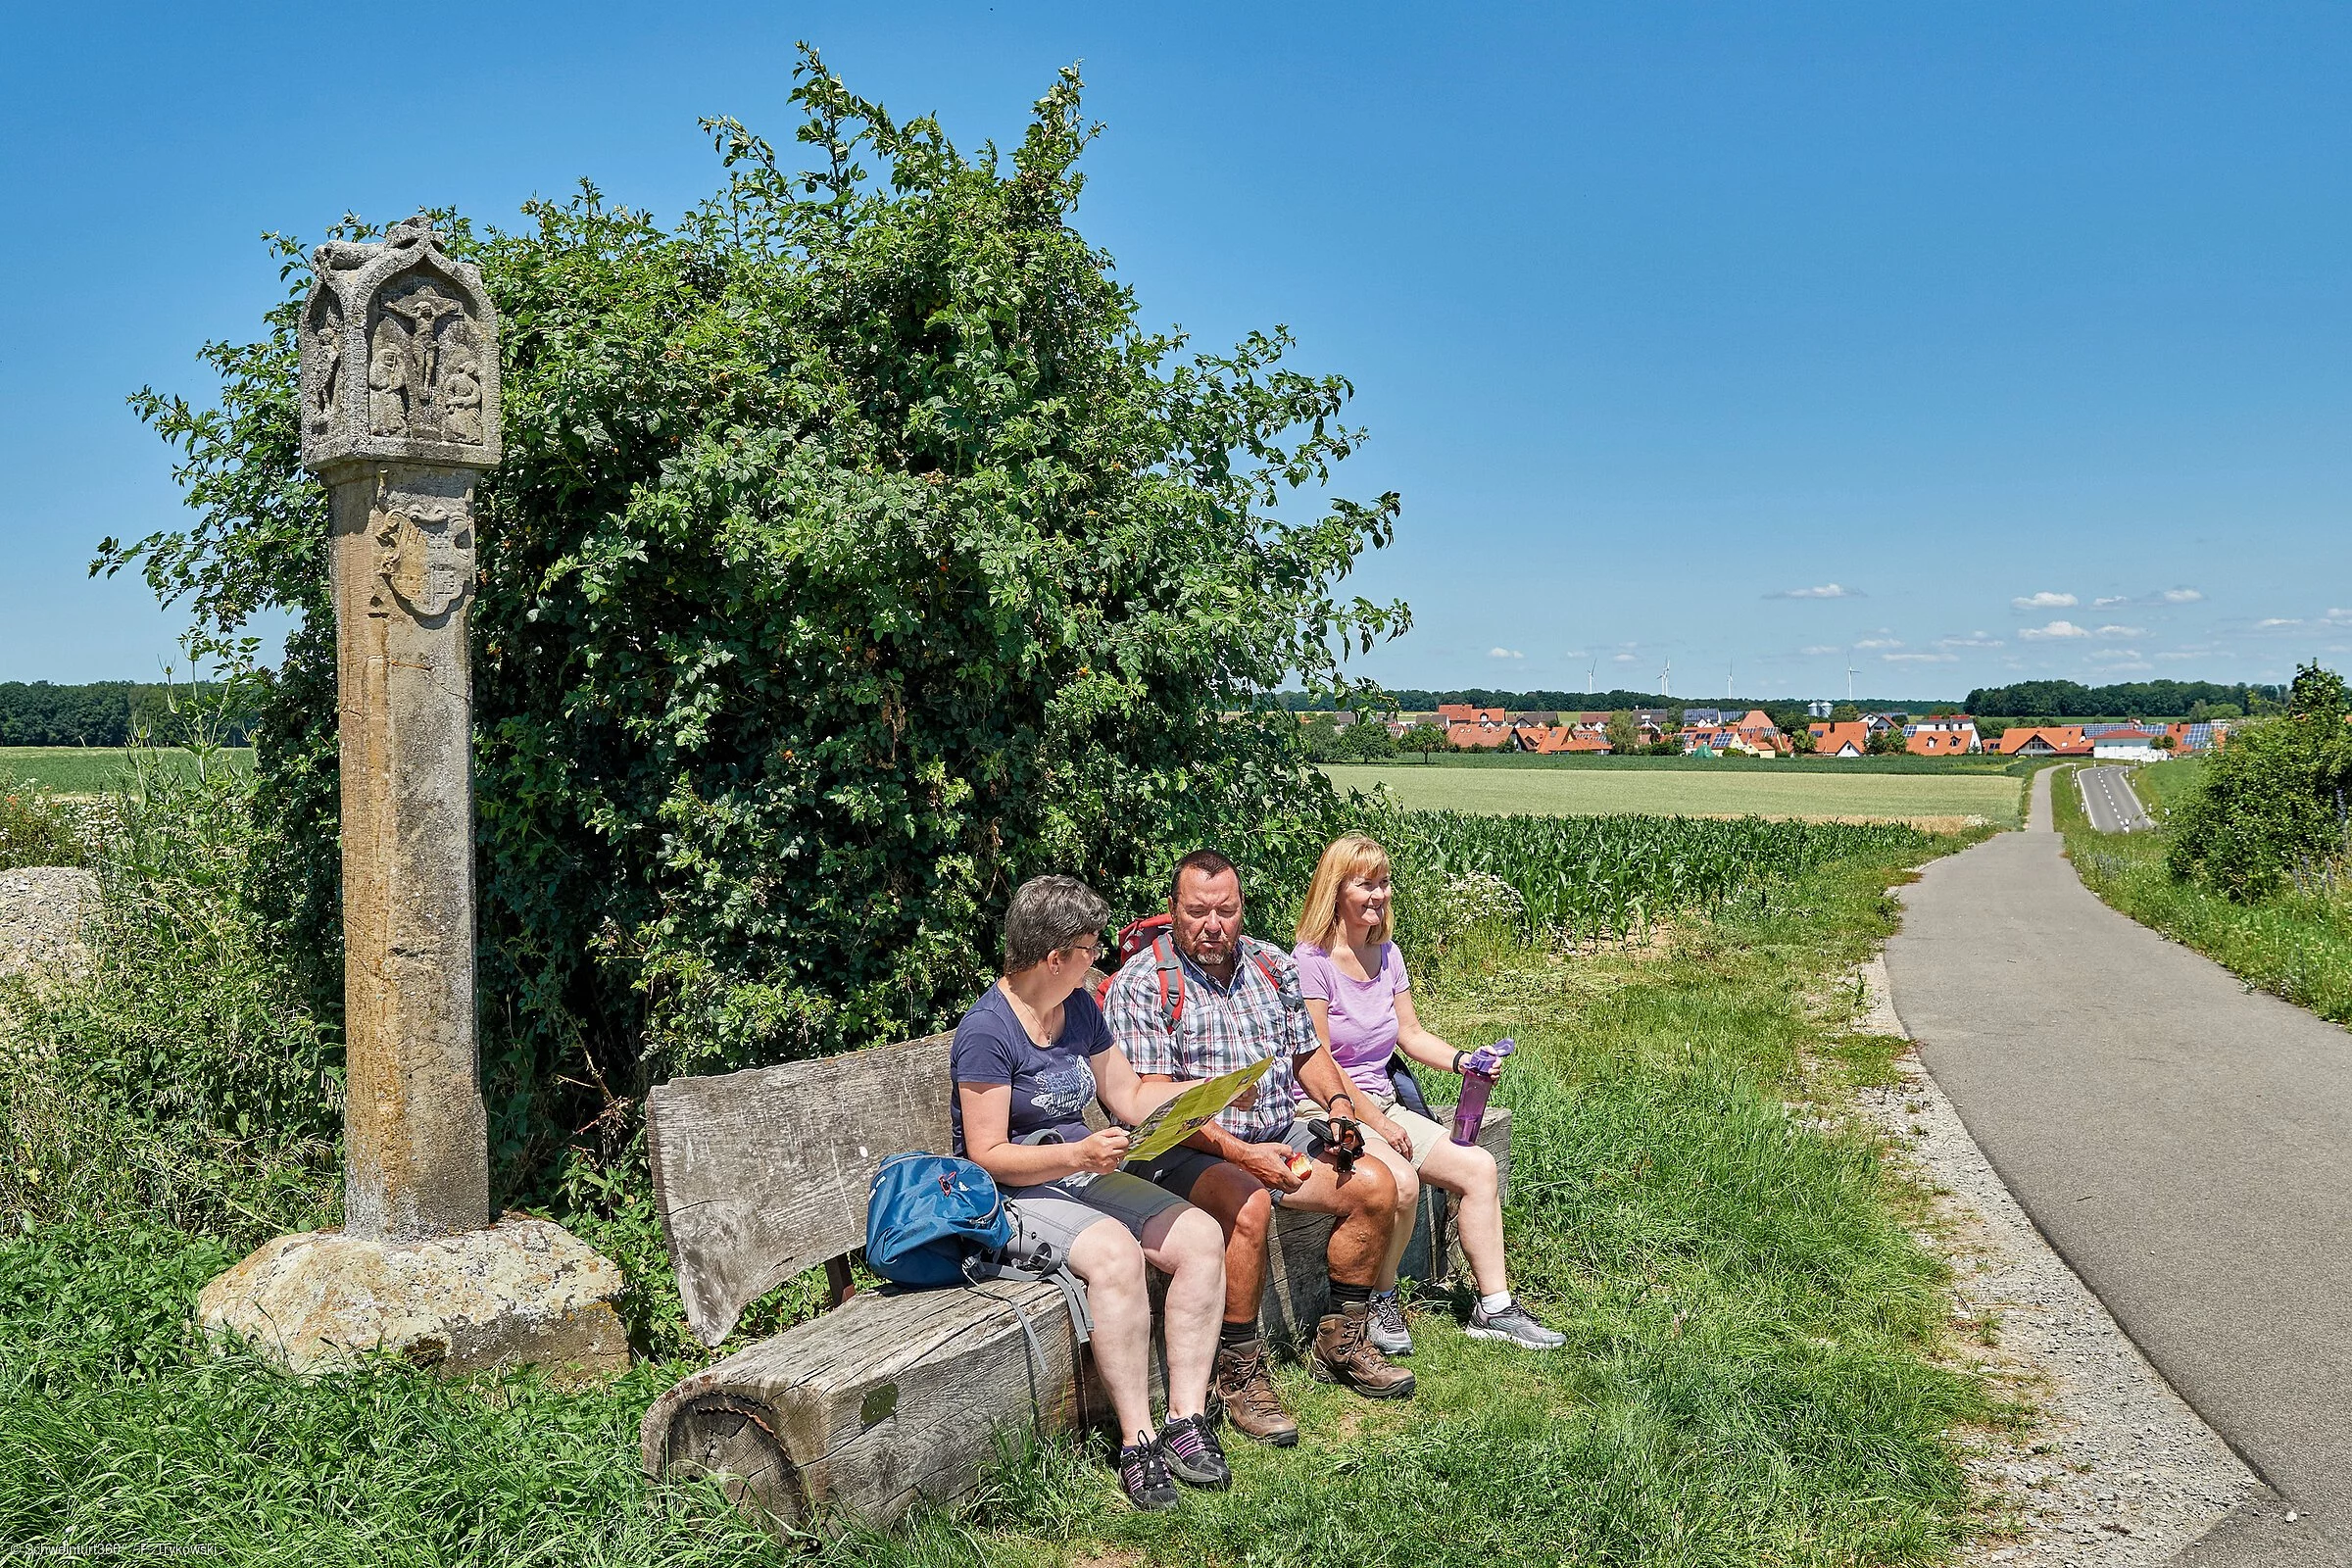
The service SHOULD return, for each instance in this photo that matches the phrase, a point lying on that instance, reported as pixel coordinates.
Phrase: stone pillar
(400, 411)
(401, 446)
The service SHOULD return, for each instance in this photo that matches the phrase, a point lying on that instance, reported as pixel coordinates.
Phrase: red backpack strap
(1171, 979)
(1293, 998)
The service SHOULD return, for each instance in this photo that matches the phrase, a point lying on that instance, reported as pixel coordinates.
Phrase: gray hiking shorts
(1055, 1213)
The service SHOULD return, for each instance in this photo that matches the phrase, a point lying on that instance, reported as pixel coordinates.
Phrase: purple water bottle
(1480, 1069)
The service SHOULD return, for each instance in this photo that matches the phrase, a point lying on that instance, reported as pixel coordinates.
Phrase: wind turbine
(1727, 682)
(1592, 664)
(1666, 678)
(1849, 674)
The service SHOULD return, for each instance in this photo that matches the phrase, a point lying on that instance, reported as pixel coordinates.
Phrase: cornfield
(1613, 877)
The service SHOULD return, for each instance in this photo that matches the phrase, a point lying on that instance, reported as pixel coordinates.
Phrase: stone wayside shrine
(399, 377)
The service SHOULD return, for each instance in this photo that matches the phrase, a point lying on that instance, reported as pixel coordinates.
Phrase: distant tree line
(2138, 698)
(103, 712)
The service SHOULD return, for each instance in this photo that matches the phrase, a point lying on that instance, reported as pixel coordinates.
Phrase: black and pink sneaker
(1144, 1473)
(1195, 1453)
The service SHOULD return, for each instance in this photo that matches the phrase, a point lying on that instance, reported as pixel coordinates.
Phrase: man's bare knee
(1367, 1188)
(1253, 1218)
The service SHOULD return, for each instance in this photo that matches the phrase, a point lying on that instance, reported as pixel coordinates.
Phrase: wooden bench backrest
(759, 1175)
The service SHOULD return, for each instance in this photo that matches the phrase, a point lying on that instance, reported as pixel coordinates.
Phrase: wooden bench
(891, 1396)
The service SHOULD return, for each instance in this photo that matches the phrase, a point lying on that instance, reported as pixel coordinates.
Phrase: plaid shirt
(1223, 1027)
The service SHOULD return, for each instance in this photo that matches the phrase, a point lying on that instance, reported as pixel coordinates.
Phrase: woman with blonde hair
(1361, 999)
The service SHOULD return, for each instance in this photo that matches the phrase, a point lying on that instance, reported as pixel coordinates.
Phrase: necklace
(1033, 1022)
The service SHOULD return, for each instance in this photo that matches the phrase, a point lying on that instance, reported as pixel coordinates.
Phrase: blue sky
(1961, 344)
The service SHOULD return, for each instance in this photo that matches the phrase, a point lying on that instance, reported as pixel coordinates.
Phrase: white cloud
(2274, 622)
(1879, 642)
(2111, 599)
(2109, 656)
(2336, 618)
(2182, 596)
(2122, 631)
(2125, 664)
(1921, 659)
(2185, 657)
(1621, 658)
(2056, 628)
(2044, 601)
(1816, 650)
(1975, 639)
(1504, 653)
(1827, 590)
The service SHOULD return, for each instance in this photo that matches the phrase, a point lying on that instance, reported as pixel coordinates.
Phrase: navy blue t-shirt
(1052, 1085)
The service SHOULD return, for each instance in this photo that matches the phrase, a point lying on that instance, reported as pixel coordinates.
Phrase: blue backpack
(931, 1219)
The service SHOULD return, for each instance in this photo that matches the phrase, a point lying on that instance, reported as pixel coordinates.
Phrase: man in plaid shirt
(1240, 1003)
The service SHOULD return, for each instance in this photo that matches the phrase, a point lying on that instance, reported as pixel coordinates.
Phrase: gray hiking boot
(1389, 1334)
(1513, 1326)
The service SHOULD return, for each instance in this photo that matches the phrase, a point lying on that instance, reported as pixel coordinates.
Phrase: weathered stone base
(523, 1292)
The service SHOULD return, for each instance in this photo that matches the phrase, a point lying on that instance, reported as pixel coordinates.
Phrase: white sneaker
(1387, 1332)
(1513, 1326)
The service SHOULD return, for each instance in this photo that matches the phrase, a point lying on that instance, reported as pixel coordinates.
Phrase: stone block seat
(891, 1396)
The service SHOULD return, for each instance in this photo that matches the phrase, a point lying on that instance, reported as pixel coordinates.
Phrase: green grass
(1790, 793)
(2293, 944)
(88, 770)
(2161, 786)
(1754, 1372)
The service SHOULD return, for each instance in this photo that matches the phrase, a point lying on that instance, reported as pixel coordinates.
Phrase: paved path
(2107, 795)
(2185, 1144)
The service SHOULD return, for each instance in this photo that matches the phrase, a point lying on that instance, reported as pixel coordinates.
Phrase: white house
(2127, 746)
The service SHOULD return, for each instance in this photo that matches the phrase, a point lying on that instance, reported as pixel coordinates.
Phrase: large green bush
(2274, 805)
(857, 552)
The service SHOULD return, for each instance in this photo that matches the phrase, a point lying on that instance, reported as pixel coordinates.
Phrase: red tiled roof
(1831, 739)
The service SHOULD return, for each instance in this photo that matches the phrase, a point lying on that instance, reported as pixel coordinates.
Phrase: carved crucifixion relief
(416, 327)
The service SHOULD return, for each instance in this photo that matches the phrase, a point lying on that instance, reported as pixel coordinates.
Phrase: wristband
(1458, 1063)
(1343, 1095)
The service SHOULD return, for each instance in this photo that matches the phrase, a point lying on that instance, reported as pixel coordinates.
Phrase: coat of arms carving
(424, 552)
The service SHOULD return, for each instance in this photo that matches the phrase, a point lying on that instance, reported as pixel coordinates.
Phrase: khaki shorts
(1426, 1135)
(1053, 1214)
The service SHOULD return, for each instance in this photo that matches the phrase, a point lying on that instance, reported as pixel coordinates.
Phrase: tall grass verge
(174, 1077)
(2295, 943)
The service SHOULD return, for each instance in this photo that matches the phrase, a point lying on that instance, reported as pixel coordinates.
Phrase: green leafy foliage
(857, 554)
(2273, 808)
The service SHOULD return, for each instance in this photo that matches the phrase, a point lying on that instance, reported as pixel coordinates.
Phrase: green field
(87, 769)
(1557, 791)
(2162, 786)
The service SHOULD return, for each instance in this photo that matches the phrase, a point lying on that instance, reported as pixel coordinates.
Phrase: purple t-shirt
(1363, 1013)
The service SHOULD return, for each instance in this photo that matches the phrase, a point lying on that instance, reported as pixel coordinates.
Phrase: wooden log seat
(892, 1397)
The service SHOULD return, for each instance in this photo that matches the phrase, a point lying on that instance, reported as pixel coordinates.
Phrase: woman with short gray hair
(1029, 1057)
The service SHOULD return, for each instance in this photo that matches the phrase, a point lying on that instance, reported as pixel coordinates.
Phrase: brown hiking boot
(1241, 1384)
(1344, 1353)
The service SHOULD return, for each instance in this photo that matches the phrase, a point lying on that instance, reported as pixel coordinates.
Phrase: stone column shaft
(415, 1146)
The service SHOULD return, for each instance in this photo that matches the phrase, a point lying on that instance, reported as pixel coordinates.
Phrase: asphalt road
(2185, 1144)
(2107, 795)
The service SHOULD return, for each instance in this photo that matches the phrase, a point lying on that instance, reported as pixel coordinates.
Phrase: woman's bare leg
(1469, 1174)
(1187, 1246)
(1110, 1262)
(1408, 1206)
